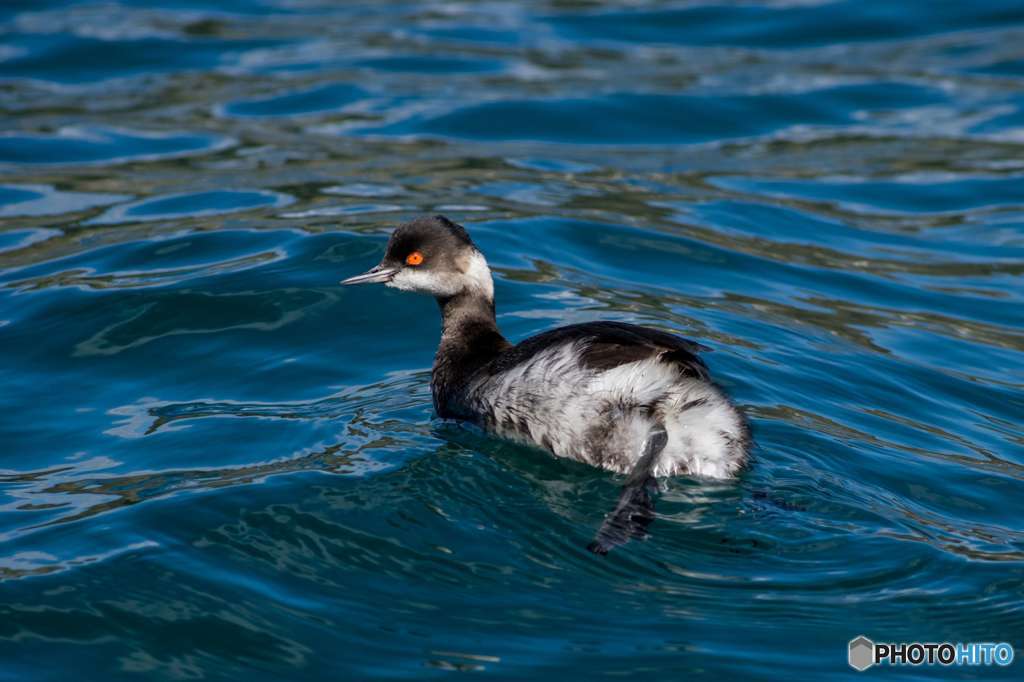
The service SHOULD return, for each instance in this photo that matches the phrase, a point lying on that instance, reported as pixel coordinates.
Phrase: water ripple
(217, 463)
(76, 145)
(192, 204)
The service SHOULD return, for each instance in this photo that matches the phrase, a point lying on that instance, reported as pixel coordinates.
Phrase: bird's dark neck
(469, 340)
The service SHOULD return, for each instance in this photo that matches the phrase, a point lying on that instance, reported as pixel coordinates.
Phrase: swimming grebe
(630, 399)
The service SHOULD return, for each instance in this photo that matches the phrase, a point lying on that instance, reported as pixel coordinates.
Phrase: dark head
(434, 256)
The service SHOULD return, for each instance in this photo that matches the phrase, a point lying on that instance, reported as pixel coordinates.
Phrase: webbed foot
(633, 514)
(634, 511)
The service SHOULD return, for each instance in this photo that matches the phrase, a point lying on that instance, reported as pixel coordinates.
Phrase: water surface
(216, 463)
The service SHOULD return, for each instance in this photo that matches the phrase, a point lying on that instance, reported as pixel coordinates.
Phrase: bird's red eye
(414, 258)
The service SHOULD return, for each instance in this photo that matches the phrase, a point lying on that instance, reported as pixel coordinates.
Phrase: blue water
(215, 463)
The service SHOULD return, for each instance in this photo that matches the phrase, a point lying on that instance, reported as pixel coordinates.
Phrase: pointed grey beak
(376, 275)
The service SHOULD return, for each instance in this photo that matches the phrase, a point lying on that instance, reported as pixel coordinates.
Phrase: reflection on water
(217, 463)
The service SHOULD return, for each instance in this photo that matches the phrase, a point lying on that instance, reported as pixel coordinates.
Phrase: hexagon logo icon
(862, 653)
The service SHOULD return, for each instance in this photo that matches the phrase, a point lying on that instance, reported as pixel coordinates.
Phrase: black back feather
(606, 345)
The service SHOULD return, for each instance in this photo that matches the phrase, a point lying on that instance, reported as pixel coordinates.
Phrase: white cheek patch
(478, 275)
(411, 279)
